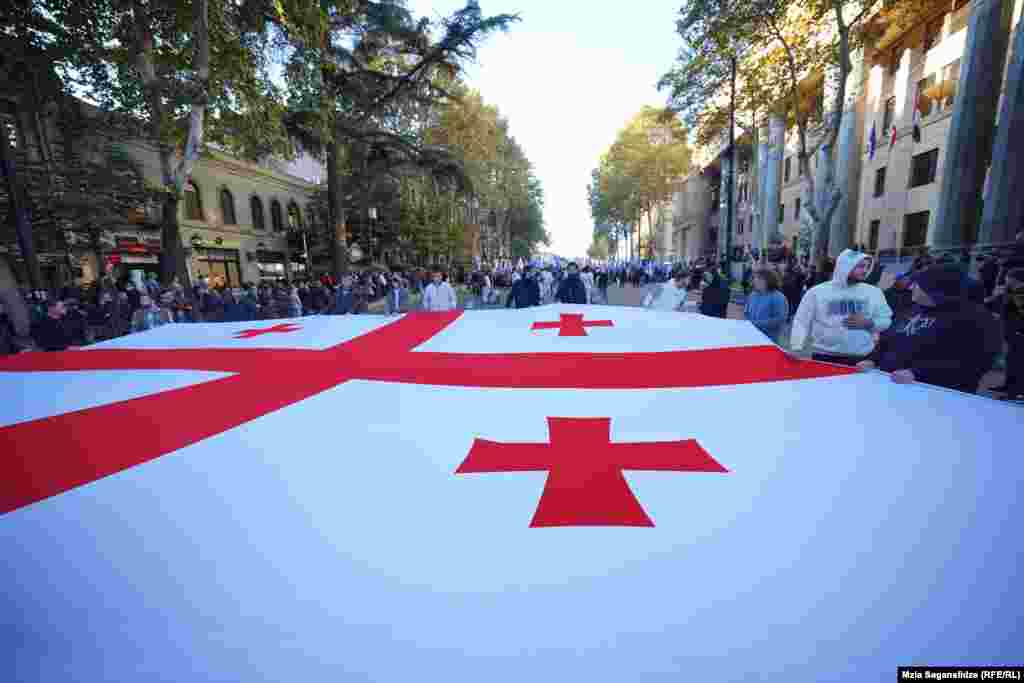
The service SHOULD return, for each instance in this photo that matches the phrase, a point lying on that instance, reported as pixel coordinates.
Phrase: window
(880, 182)
(933, 32)
(950, 81)
(10, 128)
(923, 168)
(782, 213)
(294, 217)
(799, 168)
(889, 115)
(915, 231)
(796, 212)
(739, 226)
(895, 57)
(311, 217)
(276, 219)
(873, 235)
(227, 207)
(925, 91)
(193, 202)
(788, 168)
(256, 204)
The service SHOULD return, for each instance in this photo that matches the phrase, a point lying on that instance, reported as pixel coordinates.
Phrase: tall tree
(783, 44)
(372, 61)
(638, 170)
(186, 71)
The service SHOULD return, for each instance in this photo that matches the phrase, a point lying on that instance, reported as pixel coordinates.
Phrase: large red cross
(43, 457)
(571, 325)
(585, 486)
(276, 329)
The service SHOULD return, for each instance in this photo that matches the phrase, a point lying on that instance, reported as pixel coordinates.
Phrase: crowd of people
(934, 323)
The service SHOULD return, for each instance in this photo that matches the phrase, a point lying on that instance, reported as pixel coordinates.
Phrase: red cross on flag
(462, 496)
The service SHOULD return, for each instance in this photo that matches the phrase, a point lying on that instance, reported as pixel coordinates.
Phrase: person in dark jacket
(875, 275)
(52, 332)
(525, 292)
(234, 309)
(715, 299)
(572, 290)
(1011, 299)
(793, 287)
(345, 301)
(989, 272)
(951, 342)
(900, 298)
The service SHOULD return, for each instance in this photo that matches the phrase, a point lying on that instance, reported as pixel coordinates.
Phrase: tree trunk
(19, 213)
(172, 256)
(335, 215)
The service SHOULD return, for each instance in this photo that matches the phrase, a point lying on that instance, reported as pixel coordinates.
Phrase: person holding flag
(841, 316)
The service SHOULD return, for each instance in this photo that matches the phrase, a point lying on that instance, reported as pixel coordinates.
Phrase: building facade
(235, 218)
(891, 151)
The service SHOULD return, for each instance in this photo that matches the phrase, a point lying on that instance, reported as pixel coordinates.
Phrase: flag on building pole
(616, 494)
(892, 139)
(872, 142)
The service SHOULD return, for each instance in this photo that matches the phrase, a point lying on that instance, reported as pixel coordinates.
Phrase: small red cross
(283, 327)
(585, 486)
(572, 325)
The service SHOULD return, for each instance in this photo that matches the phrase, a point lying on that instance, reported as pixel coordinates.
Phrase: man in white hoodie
(439, 295)
(841, 316)
(670, 296)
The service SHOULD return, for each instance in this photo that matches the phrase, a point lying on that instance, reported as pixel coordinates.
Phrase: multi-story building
(235, 218)
(904, 87)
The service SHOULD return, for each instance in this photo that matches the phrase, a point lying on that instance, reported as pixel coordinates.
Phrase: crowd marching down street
(943, 321)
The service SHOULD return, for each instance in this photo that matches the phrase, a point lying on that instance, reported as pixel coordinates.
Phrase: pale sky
(568, 77)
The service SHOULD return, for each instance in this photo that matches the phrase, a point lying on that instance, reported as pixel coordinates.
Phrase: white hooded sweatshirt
(439, 297)
(667, 297)
(825, 306)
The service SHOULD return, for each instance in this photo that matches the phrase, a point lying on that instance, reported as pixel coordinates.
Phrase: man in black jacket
(345, 301)
(572, 290)
(52, 333)
(951, 342)
(1011, 298)
(715, 298)
(525, 292)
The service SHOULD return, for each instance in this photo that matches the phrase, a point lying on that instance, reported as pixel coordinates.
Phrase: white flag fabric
(556, 493)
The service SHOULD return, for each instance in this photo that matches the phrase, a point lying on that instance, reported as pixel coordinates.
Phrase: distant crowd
(934, 323)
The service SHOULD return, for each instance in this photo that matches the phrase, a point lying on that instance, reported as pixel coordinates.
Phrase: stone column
(970, 134)
(1004, 206)
(773, 178)
(723, 203)
(760, 215)
(848, 162)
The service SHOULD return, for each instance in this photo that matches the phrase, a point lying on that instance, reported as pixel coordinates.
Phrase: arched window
(294, 216)
(193, 202)
(276, 219)
(256, 205)
(227, 206)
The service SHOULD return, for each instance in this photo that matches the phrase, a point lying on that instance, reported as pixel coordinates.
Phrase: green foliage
(636, 173)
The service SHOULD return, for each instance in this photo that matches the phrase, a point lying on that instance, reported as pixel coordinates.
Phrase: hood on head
(846, 262)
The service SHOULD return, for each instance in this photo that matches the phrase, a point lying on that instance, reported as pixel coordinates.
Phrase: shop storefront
(217, 259)
(271, 265)
(220, 266)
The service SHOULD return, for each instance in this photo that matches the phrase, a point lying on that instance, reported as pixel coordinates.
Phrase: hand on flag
(858, 322)
(903, 377)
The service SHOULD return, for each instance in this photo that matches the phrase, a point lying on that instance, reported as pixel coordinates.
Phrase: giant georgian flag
(561, 493)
